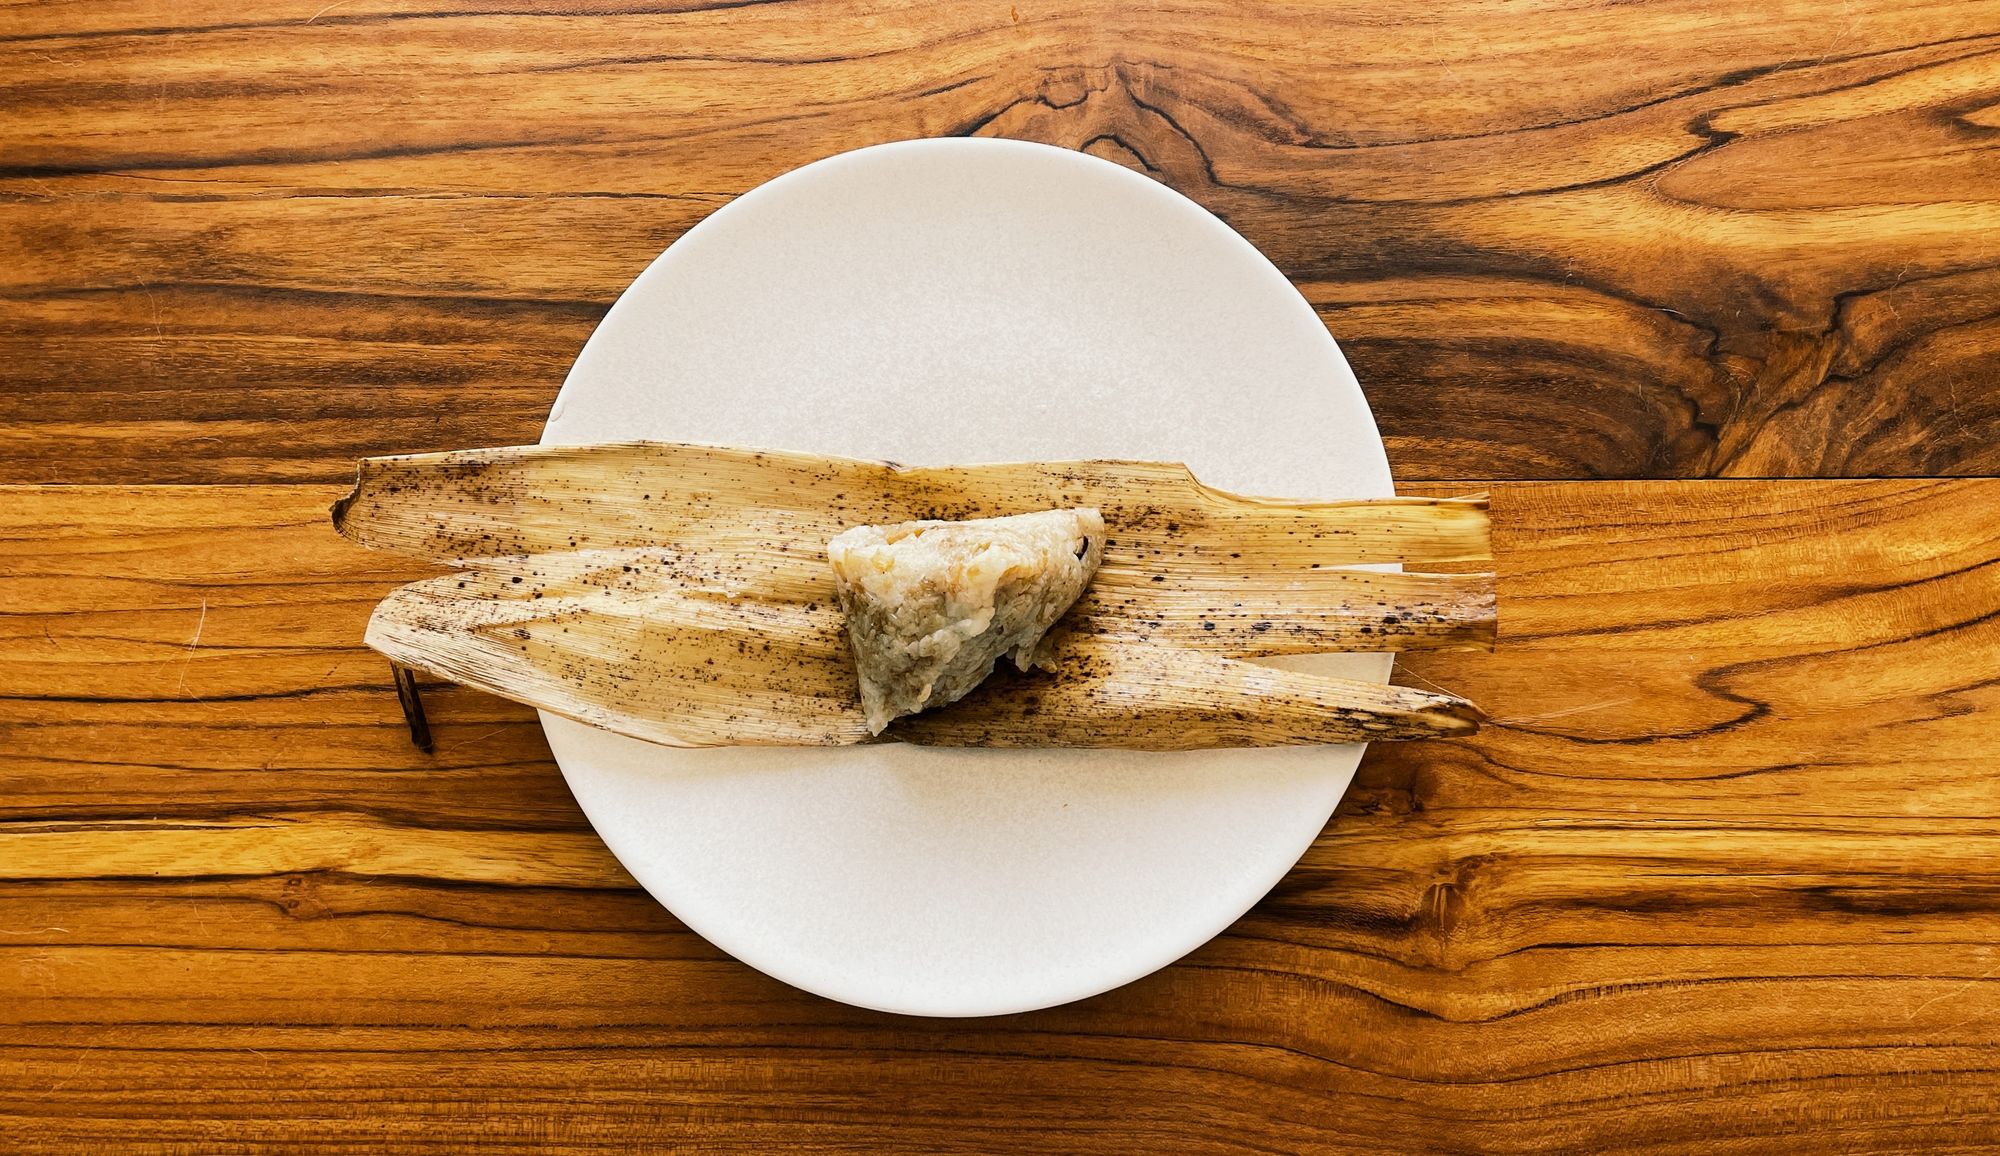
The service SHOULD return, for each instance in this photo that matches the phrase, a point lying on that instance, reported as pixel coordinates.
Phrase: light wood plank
(1754, 901)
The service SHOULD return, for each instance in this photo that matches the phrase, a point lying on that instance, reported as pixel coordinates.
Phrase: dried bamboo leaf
(681, 594)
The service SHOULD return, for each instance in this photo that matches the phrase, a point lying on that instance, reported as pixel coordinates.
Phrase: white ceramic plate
(956, 301)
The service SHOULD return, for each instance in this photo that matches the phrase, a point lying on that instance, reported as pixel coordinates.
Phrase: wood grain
(1720, 876)
(1558, 239)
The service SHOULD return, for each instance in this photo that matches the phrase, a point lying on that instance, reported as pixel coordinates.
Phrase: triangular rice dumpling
(932, 605)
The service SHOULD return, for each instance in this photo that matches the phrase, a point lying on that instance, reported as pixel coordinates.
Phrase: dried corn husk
(680, 593)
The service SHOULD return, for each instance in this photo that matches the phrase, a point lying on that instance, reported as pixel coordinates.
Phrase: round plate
(959, 301)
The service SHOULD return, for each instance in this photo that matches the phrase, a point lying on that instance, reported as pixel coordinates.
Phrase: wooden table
(1707, 294)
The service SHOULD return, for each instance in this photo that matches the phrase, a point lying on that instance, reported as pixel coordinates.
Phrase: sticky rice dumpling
(931, 606)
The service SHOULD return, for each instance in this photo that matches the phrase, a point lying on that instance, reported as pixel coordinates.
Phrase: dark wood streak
(1643, 255)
